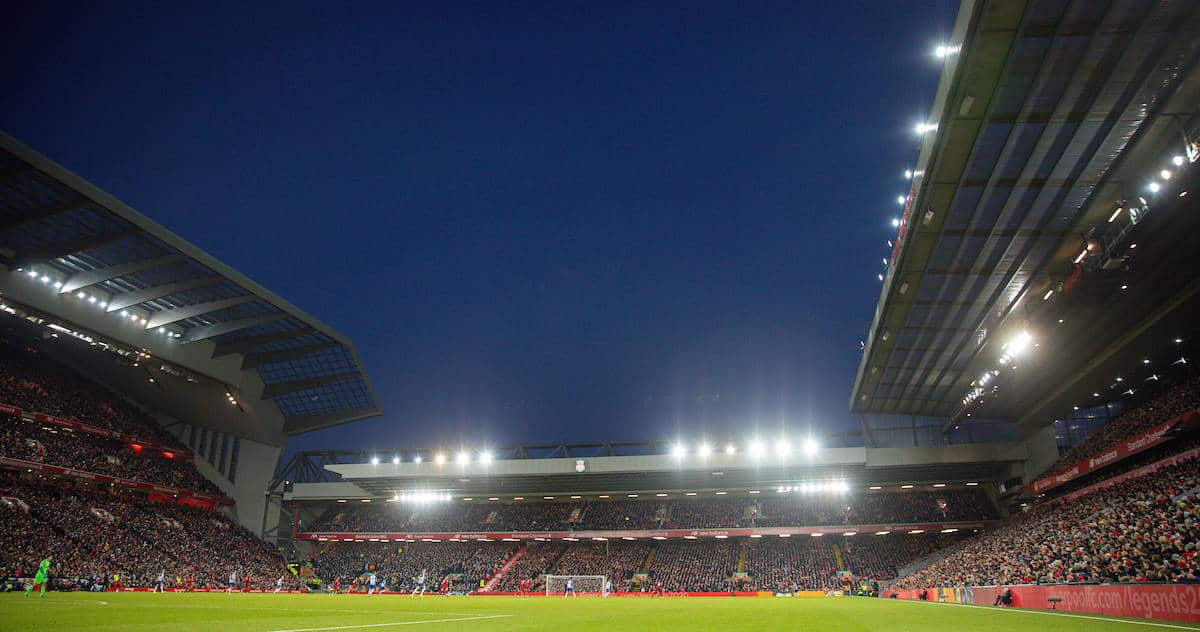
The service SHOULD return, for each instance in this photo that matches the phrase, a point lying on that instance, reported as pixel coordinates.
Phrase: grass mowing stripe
(1055, 613)
(384, 625)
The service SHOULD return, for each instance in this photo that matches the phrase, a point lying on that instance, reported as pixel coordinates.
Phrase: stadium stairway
(645, 569)
(741, 567)
(838, 559)
(507, 566)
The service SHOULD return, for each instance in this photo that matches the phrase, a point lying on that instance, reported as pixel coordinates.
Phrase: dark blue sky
(537, 223)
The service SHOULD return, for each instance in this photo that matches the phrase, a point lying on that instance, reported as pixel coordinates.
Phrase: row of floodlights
(97, 301)
(754, 448)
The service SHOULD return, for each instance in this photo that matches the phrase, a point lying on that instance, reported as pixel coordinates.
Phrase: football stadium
(1025, 449)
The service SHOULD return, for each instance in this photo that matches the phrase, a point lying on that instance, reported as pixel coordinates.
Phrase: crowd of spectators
(536, 560)
(462, 564)
(32, 382)
(98, 533)
(803, 563)
(875, 508)
(1174, 401)
(1144, 529)
(33, 441)
(695, 565)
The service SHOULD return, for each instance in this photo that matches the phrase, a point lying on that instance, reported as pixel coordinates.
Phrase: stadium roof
(350, 474)
(85, 245)
(1050, 115)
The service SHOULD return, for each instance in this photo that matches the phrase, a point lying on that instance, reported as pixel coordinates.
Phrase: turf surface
(321, 613)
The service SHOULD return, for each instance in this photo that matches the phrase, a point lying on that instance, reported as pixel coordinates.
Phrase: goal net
(584, 584)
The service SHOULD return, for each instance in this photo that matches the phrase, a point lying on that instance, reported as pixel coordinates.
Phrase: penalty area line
(384, 625)
(1054, 613)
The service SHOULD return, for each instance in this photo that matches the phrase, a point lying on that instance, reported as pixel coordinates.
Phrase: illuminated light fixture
(77, 294)
(395, 460)
(901, 199)
(1132, 246)
(493, 499)
(417, 459)
(756, 535)
(721, 493)
(1047, 295)
(162, 330)
(875, 487)
(939, 484)
(908, 174)
(755, 491)
(972, 484)
(906, 487)
(880, 277)
(925, 128)
(627, 537)
(485, 457)
(341, 500)
(785, 535)
(576, 497)
(916, 531)
(366, 500)
(103, 303)
(1177, 161)
(885, 261)
(518, 498)
(951, 530)
(1117, 213)
(720, 537)
(631, 495)
(600, 539)
(690, 494)
(810, 446)
(440, 459)
(45, 279)
(1018, 345)
(730, 450)
(374, 460)
(942, 52)
(782, 448)
(678, 451)
(58, 284)
(1165, 174)
(1081, 256)
(660, 537)
(704, 450)
(1153, 187)
(31, 273)
(817, 534)
(1178, 340)
(895, 222)
(1146, 361)
(882, 532)
(463, 458)
(603, 496)
(1124, 287)
(850, 533)
(547, 498)
(661, 494)
(756, 448)
(689, 537)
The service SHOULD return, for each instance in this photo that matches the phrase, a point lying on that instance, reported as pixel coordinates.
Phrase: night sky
(564, 222)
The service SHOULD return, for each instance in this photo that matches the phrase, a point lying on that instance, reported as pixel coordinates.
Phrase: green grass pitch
(329, 613)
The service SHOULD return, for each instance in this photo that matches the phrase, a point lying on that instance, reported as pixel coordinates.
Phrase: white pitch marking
(1055, 613)
(384, 625)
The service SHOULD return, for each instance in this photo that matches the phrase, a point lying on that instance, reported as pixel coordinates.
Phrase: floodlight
(704, 450)
(810, 446)
(374, 460)
(463, 458)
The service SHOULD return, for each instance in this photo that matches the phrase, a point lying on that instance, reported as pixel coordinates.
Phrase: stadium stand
(1145, 529)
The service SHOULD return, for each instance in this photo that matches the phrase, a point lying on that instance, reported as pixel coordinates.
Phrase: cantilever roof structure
(87, 245)
(1049, 116)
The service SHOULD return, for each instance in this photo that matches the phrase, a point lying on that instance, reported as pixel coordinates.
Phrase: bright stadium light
(679, 451)
(440, 459)
(374, 460)
(810, 446)
(485, 457)
(396, 460)
(730, 450)
(1154, 187)
(1177, 161)
(463, 458)
(1165, 174)
(908, 174)
(756, 448)
(895, 222)
(1018, 345)
(782, 448)
(901, 199)
(704, 450)
(417, 459)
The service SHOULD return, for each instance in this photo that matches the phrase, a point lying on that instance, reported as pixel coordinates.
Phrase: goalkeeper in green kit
(39, 579)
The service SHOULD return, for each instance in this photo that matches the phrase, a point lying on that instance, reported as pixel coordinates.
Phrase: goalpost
(584, 584)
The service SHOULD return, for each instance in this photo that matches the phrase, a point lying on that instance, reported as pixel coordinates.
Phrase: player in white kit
(420, 589)
(570, 592)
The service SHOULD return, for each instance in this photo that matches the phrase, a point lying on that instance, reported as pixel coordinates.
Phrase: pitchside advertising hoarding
(1144, 441)
(1175, 602)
